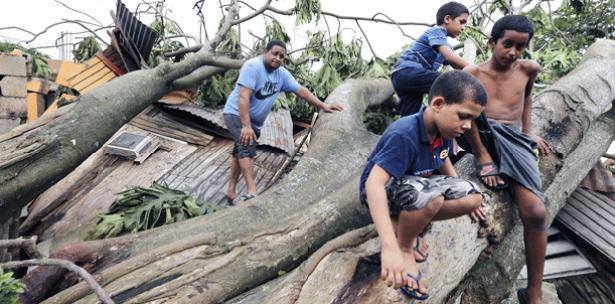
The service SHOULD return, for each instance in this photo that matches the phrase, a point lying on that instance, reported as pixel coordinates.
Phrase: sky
(35, 15)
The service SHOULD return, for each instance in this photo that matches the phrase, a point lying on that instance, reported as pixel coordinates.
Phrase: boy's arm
(532, 68)
(452, 58)
(306, 95)
(448, 169)
(391, 256)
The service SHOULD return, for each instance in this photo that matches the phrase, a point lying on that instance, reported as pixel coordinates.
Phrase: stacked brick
(13, 105)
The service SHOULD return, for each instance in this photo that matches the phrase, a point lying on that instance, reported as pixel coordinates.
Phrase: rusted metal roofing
(140, 37)
(277, 131)
(205, 173)
(591, 216)
(202, 171)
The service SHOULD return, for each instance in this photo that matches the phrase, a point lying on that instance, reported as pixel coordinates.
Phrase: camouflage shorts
(414, 192)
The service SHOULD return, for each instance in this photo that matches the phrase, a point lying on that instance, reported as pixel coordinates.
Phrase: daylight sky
(35, 15)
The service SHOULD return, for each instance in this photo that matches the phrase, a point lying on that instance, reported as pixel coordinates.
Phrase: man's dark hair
(273, 43)
(511, 22)
(454, 9)
(457, 86)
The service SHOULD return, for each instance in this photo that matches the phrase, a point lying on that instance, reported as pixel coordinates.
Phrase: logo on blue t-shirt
(266, 91)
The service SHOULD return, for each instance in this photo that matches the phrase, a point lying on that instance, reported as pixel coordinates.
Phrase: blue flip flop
(417, 246)
(411, 292)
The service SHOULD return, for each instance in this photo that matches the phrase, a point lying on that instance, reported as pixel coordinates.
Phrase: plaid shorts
(414, 192)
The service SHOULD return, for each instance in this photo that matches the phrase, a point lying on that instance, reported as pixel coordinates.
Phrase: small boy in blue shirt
(418, 65)
(398, 184)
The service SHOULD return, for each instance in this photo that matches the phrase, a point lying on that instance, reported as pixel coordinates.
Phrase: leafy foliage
(162, 44)
(10, 288)
(306, 10)
(562, 38)
(39, 60)
(214, 90)
(87, 48)
(140, 208)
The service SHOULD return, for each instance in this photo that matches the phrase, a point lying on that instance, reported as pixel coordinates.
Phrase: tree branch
(86, 276)
(77, 11)
(366, 39)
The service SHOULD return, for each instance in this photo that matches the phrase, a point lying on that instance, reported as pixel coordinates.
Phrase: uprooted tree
(217, 257)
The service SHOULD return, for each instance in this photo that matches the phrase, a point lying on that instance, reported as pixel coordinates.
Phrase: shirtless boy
(505, 146)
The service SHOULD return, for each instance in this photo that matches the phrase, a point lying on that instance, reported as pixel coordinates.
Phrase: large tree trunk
(575, 115)
(239, 248)
(255, 241)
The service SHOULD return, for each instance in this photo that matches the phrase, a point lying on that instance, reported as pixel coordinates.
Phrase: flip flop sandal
(417, 246)
(493, 172)
(413, 293)
(246, 197)
(521, 293)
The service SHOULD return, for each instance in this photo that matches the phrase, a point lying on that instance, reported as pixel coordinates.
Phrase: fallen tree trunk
(575, 115)
(274, 233)
(254, 241)
(35, 156)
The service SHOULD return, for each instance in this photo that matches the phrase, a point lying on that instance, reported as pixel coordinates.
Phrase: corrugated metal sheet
(205, 173)
(591, 215)
(141, 36)
(585, 289)
(277, 131)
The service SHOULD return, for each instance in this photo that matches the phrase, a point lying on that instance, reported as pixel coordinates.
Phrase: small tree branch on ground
(86, 276)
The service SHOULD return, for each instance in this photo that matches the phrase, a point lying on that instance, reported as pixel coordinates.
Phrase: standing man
(260, 81)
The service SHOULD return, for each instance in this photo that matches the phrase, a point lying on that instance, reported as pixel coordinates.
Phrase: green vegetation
(10, 288)
(139, 208)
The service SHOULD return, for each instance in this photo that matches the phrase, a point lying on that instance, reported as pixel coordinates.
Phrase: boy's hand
(479, 213)
(392, 267)
(543, 146)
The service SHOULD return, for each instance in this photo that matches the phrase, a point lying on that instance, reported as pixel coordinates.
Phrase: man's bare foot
(413, 269)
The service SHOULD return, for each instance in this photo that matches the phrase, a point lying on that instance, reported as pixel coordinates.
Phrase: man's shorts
(233, 124)
(414, 192)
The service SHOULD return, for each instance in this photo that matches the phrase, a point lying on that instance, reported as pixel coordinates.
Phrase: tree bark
(255, 241)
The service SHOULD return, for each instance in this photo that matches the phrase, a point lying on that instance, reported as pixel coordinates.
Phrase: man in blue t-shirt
(399, 186)
(418, 65)
(260, 81)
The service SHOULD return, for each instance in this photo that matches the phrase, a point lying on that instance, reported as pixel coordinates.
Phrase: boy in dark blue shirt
(398, 184)
(418, 66)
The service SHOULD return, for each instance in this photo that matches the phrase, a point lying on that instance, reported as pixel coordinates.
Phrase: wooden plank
(552, 231)
(567, 266)
(586, 233)
(86, 206)
(12, 65)
(86, 73)
(12, 107)
(36, 106)
(600, 200)
(13, 86)
(559, 247)
(37, 85)
(52, 107)
(593, 216)
(68, 69)
(95, 80)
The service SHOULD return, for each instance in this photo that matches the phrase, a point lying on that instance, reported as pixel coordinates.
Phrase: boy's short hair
(517, 23)
(457, 86)
(273, 43)
(454, 9)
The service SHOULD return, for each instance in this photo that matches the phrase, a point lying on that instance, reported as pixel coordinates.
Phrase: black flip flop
(521, 292)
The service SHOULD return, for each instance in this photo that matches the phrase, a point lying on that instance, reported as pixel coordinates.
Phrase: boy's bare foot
(413, 269)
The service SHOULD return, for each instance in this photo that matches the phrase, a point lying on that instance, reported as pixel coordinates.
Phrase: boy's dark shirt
(404, 149)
